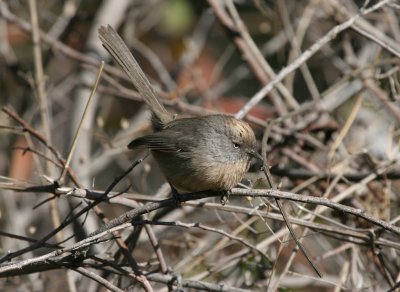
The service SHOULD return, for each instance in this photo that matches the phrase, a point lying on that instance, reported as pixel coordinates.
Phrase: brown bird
(195, 154)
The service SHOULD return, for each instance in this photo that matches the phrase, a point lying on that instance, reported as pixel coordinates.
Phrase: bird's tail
(113, 43)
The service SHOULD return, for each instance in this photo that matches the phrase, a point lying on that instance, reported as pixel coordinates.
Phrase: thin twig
(78, 131)
(304, 57)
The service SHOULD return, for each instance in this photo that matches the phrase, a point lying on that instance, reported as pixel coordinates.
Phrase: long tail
(113, 43)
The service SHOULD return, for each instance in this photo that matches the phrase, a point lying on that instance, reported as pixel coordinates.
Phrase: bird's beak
(257, 156)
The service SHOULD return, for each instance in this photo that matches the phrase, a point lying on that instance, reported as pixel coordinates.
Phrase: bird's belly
(194, 175)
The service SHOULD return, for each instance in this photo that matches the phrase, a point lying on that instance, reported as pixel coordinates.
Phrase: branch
(304, 57)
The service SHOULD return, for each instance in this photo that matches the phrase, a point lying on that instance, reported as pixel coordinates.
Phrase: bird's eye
(236, 145)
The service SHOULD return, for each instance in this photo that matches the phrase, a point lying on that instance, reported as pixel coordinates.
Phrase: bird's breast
(191, 173)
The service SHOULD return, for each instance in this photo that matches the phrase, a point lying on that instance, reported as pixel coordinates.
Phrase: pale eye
(236, 145)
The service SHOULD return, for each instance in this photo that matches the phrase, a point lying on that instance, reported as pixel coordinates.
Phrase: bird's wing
(161, 141)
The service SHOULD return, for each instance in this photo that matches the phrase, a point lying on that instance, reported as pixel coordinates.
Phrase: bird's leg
(176, 196)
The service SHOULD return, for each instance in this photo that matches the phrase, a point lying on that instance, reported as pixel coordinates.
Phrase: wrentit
(195, 154)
